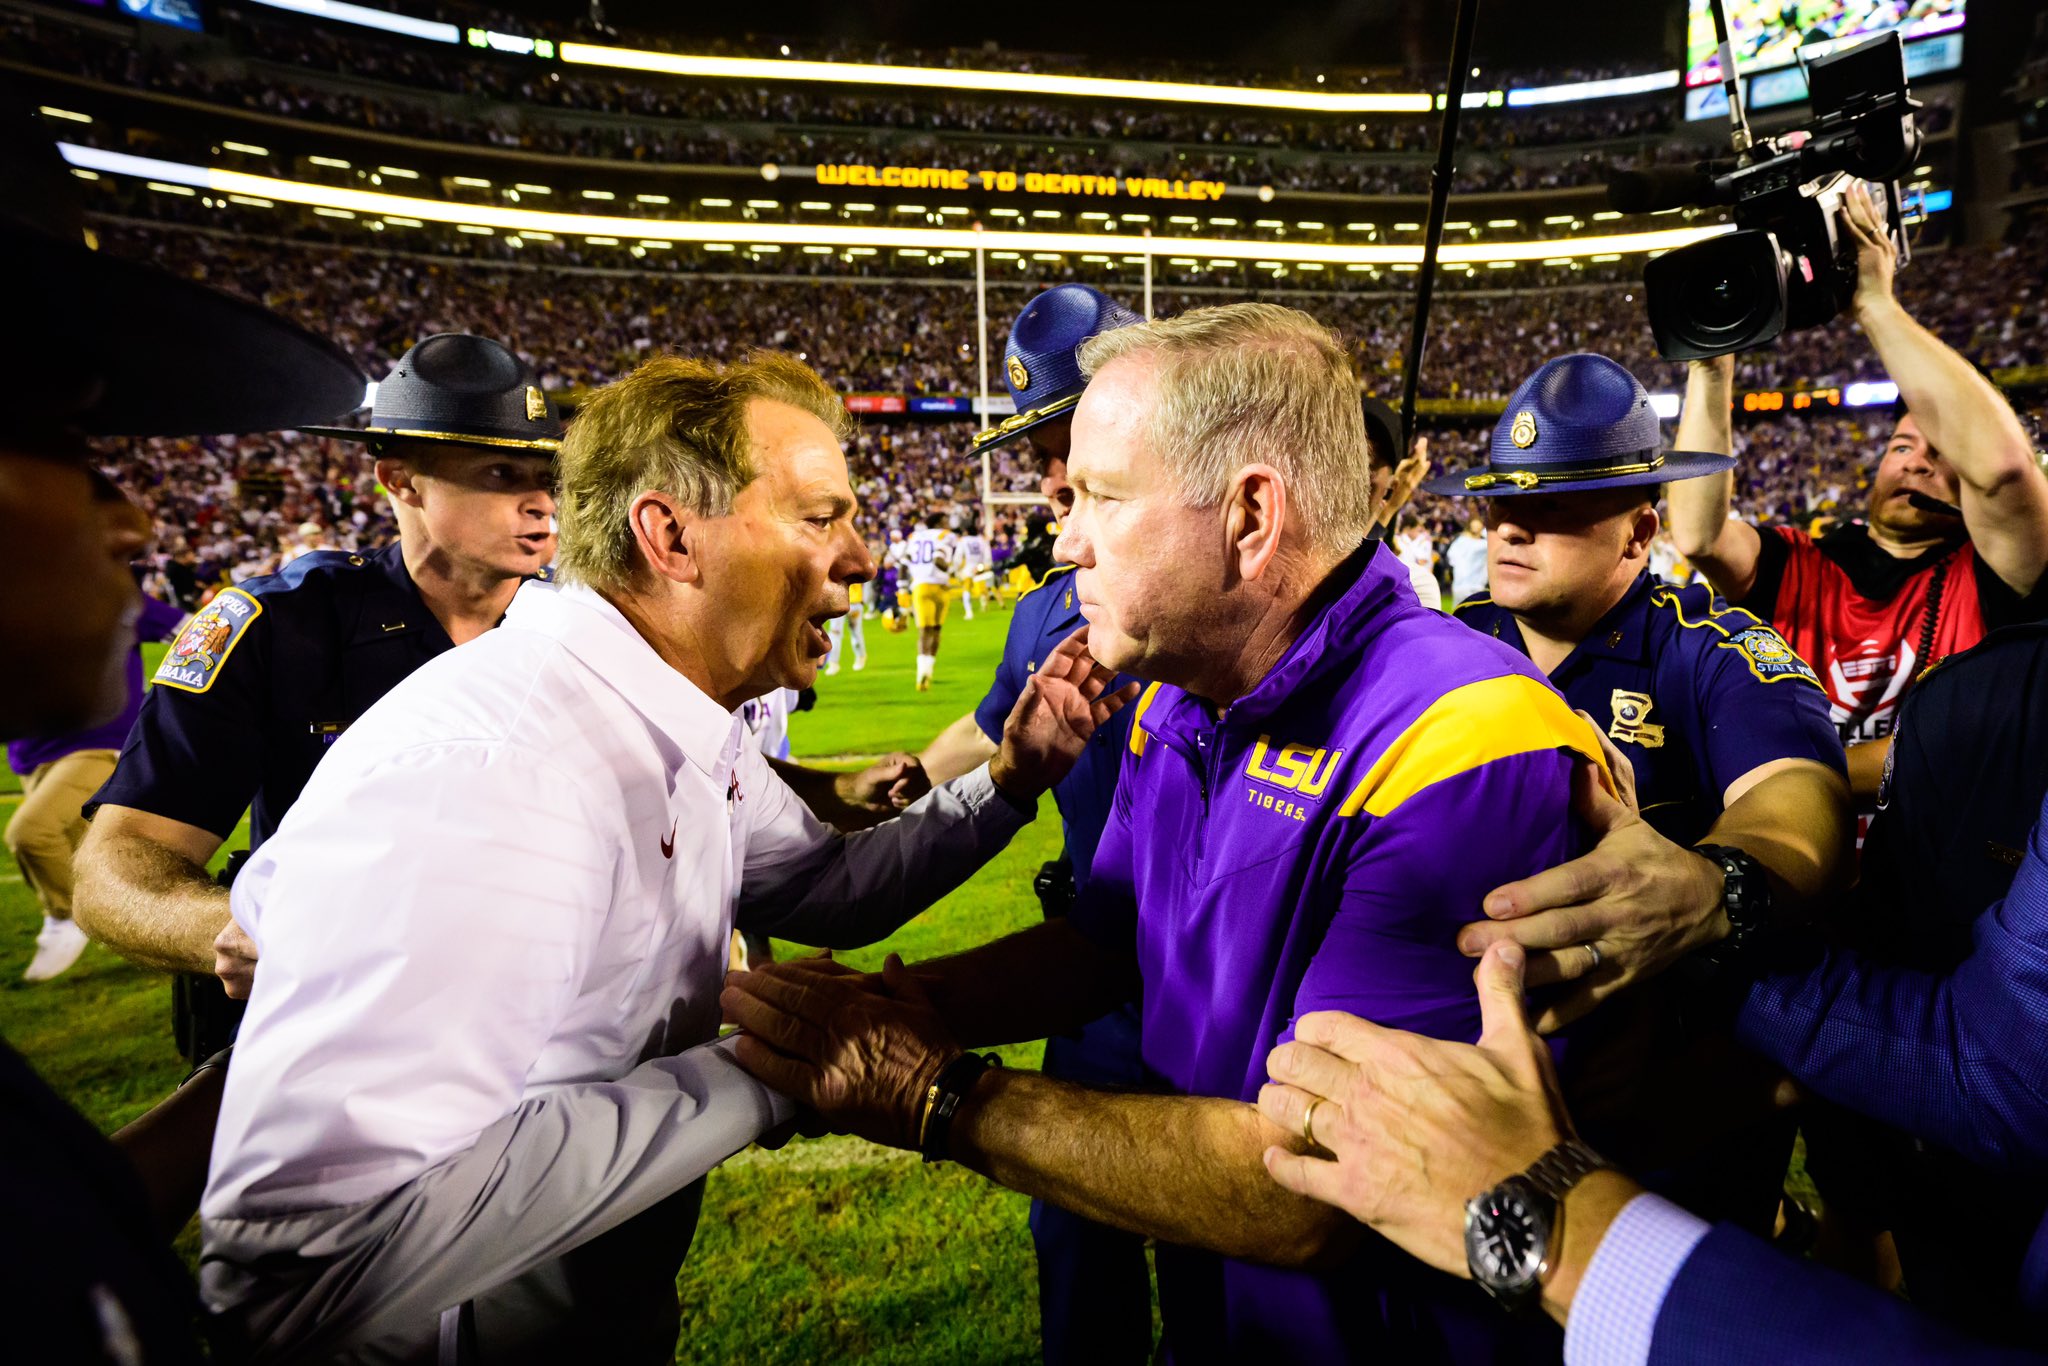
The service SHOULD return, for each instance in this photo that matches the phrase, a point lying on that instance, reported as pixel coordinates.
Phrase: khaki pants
(47, 827)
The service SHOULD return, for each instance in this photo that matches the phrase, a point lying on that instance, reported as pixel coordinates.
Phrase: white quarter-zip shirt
(519, 872)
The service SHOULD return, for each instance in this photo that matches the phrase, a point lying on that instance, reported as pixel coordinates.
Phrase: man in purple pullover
(1321, 784)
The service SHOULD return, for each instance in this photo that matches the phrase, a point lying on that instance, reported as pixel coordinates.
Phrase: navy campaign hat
(1580, 423)
(461, 389)
(1039, 364)
(116, 347)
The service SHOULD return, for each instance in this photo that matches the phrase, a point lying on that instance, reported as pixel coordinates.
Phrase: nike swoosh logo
(668, 846)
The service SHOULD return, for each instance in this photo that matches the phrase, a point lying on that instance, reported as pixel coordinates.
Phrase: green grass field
(829, 1250)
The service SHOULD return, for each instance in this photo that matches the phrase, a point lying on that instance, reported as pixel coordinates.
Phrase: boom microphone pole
(1439, 204)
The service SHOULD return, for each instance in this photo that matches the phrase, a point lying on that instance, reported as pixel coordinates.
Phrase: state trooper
(1094, 1289)
(269, 674)
(1725, 728)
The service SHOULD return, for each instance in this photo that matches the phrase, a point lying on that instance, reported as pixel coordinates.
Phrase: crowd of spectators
(734, 123)
(236, 506)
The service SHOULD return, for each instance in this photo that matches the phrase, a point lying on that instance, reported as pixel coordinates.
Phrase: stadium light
(986, 82)
(1594, 90)
(364, 17)
(68, 115)
(827, 237)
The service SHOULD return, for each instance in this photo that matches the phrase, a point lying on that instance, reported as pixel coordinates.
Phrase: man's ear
(397, 478)
(1641, 532)
(662, 529)
(1254, 514)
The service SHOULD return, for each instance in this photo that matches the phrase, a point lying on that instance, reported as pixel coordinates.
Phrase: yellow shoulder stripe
(1476, 600)
(1495, 718)
(1665, 598)
(1138, 736)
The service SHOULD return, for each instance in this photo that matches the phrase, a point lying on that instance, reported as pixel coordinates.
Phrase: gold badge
(1020, 378)
(536, 406)
(1632, 719)
(1523, 433)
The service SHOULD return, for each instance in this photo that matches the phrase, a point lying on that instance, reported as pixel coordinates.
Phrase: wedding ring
(1593, 949)
(1308, 1122)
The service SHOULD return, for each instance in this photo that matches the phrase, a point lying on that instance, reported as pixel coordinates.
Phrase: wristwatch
(1512, 1230)
(1745, 896)
(943, 1098)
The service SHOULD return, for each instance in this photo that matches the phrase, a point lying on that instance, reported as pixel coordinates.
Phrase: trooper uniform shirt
(1044, 617)
(263, 680)
(1317, 847)
(1695, 693)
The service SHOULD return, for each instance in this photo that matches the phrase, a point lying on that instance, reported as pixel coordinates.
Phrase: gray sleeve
(558, 1171)
(806, 882)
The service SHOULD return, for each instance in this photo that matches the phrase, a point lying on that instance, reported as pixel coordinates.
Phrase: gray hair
(1251, 384)
(674, 425)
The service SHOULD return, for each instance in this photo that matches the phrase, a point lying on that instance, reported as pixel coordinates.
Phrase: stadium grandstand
(419, 172)
(599, 185)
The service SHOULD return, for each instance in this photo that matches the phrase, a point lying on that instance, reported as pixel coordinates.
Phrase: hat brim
(537, 445)
(173, 358)
(1003, 433)
(1676, 465)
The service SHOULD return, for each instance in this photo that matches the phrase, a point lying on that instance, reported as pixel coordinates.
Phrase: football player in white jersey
(837, 629)
(974, 567)
(930, 553)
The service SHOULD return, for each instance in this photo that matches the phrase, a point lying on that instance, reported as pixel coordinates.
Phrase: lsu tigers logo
(1293, 768)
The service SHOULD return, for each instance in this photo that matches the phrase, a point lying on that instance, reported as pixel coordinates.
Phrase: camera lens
(1720, 300)
(1716, 296)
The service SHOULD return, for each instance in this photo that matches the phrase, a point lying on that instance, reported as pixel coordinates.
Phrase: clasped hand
(861, 1049)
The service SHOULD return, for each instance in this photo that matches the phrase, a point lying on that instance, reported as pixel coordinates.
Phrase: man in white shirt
(1467, 555)
(839, 628)
(975, 568)
(476, 1088)
(1413, 546)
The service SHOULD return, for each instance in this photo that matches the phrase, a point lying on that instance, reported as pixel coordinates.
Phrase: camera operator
(1873, 603)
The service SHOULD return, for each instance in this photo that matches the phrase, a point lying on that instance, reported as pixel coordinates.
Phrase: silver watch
(1511, 1230)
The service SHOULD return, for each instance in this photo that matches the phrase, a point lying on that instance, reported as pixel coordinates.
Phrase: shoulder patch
(196, 656)
(1767, 655)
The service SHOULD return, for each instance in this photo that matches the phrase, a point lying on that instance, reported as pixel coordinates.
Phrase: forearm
(1798, 824)
(1866, 771)
(820, 790)
(853, 890)
(1961, 413)
(1049, 979)
(149, 903)
(1181, 1169)
(959, 748)
(1589, 1210)
(1699, 507)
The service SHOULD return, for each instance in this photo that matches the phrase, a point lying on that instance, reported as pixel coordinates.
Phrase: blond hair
(1249, 384)
(675, 426)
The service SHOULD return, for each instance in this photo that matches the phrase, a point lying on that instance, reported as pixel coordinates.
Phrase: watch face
(1507, 1235)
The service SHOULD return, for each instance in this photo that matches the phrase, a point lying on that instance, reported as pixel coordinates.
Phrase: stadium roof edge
(849, 236)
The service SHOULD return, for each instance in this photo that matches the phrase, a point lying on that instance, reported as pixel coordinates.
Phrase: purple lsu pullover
(1317, 848)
